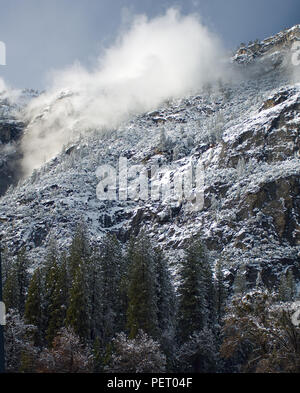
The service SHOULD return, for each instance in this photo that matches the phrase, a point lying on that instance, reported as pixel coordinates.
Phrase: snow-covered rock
(246, 136)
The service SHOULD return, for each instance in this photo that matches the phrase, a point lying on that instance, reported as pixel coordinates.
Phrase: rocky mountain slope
(246, 133)
(11, 131)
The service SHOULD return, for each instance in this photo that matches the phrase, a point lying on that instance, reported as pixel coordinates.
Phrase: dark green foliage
(80, 250)
(97, 356)
(142, 312)
(200, 353)
(50, 280)
(209, 290)
(22, 265)
(57, 303)
(165, 293)
(166, 306)
(11, 290)
(6, 263)
(16, 283)
(33, 306)
(124, 308)
(194, 291)
(109, 314)
(78, 310)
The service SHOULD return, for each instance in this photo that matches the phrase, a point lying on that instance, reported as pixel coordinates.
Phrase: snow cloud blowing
(150, 62)
(8, 93)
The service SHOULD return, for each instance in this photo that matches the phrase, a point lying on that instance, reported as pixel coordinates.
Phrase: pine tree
(22, 265)
(57, 306)
(124, 282)
(109, 314)
(165, 292)
(192, 313)
(166, 304)
(16, 283)
(33, 306)
(97, 356)
(11, 290)
(77, 316)
(7, 260)
(94, 282)
(50, 281)
(79, 250)
(78, 312)
(142, 289)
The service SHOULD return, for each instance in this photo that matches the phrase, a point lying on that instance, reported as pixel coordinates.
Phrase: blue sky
(44, 35)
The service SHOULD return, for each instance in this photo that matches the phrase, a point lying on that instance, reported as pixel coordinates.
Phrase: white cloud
(153, 60)
(6, 92)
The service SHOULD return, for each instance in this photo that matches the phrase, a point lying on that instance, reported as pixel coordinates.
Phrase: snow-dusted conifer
(193, 310)
(33, 305)
(142, 312)
(108, 314)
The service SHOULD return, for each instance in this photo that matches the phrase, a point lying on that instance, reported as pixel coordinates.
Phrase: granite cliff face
(10, 132)
(246, 134)
(12, 125)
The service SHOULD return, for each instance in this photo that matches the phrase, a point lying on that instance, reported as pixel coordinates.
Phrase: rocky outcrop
(10, 133)
(10, 156)
(273, 49)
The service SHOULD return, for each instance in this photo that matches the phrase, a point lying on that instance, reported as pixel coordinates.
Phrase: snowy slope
(246, 134)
